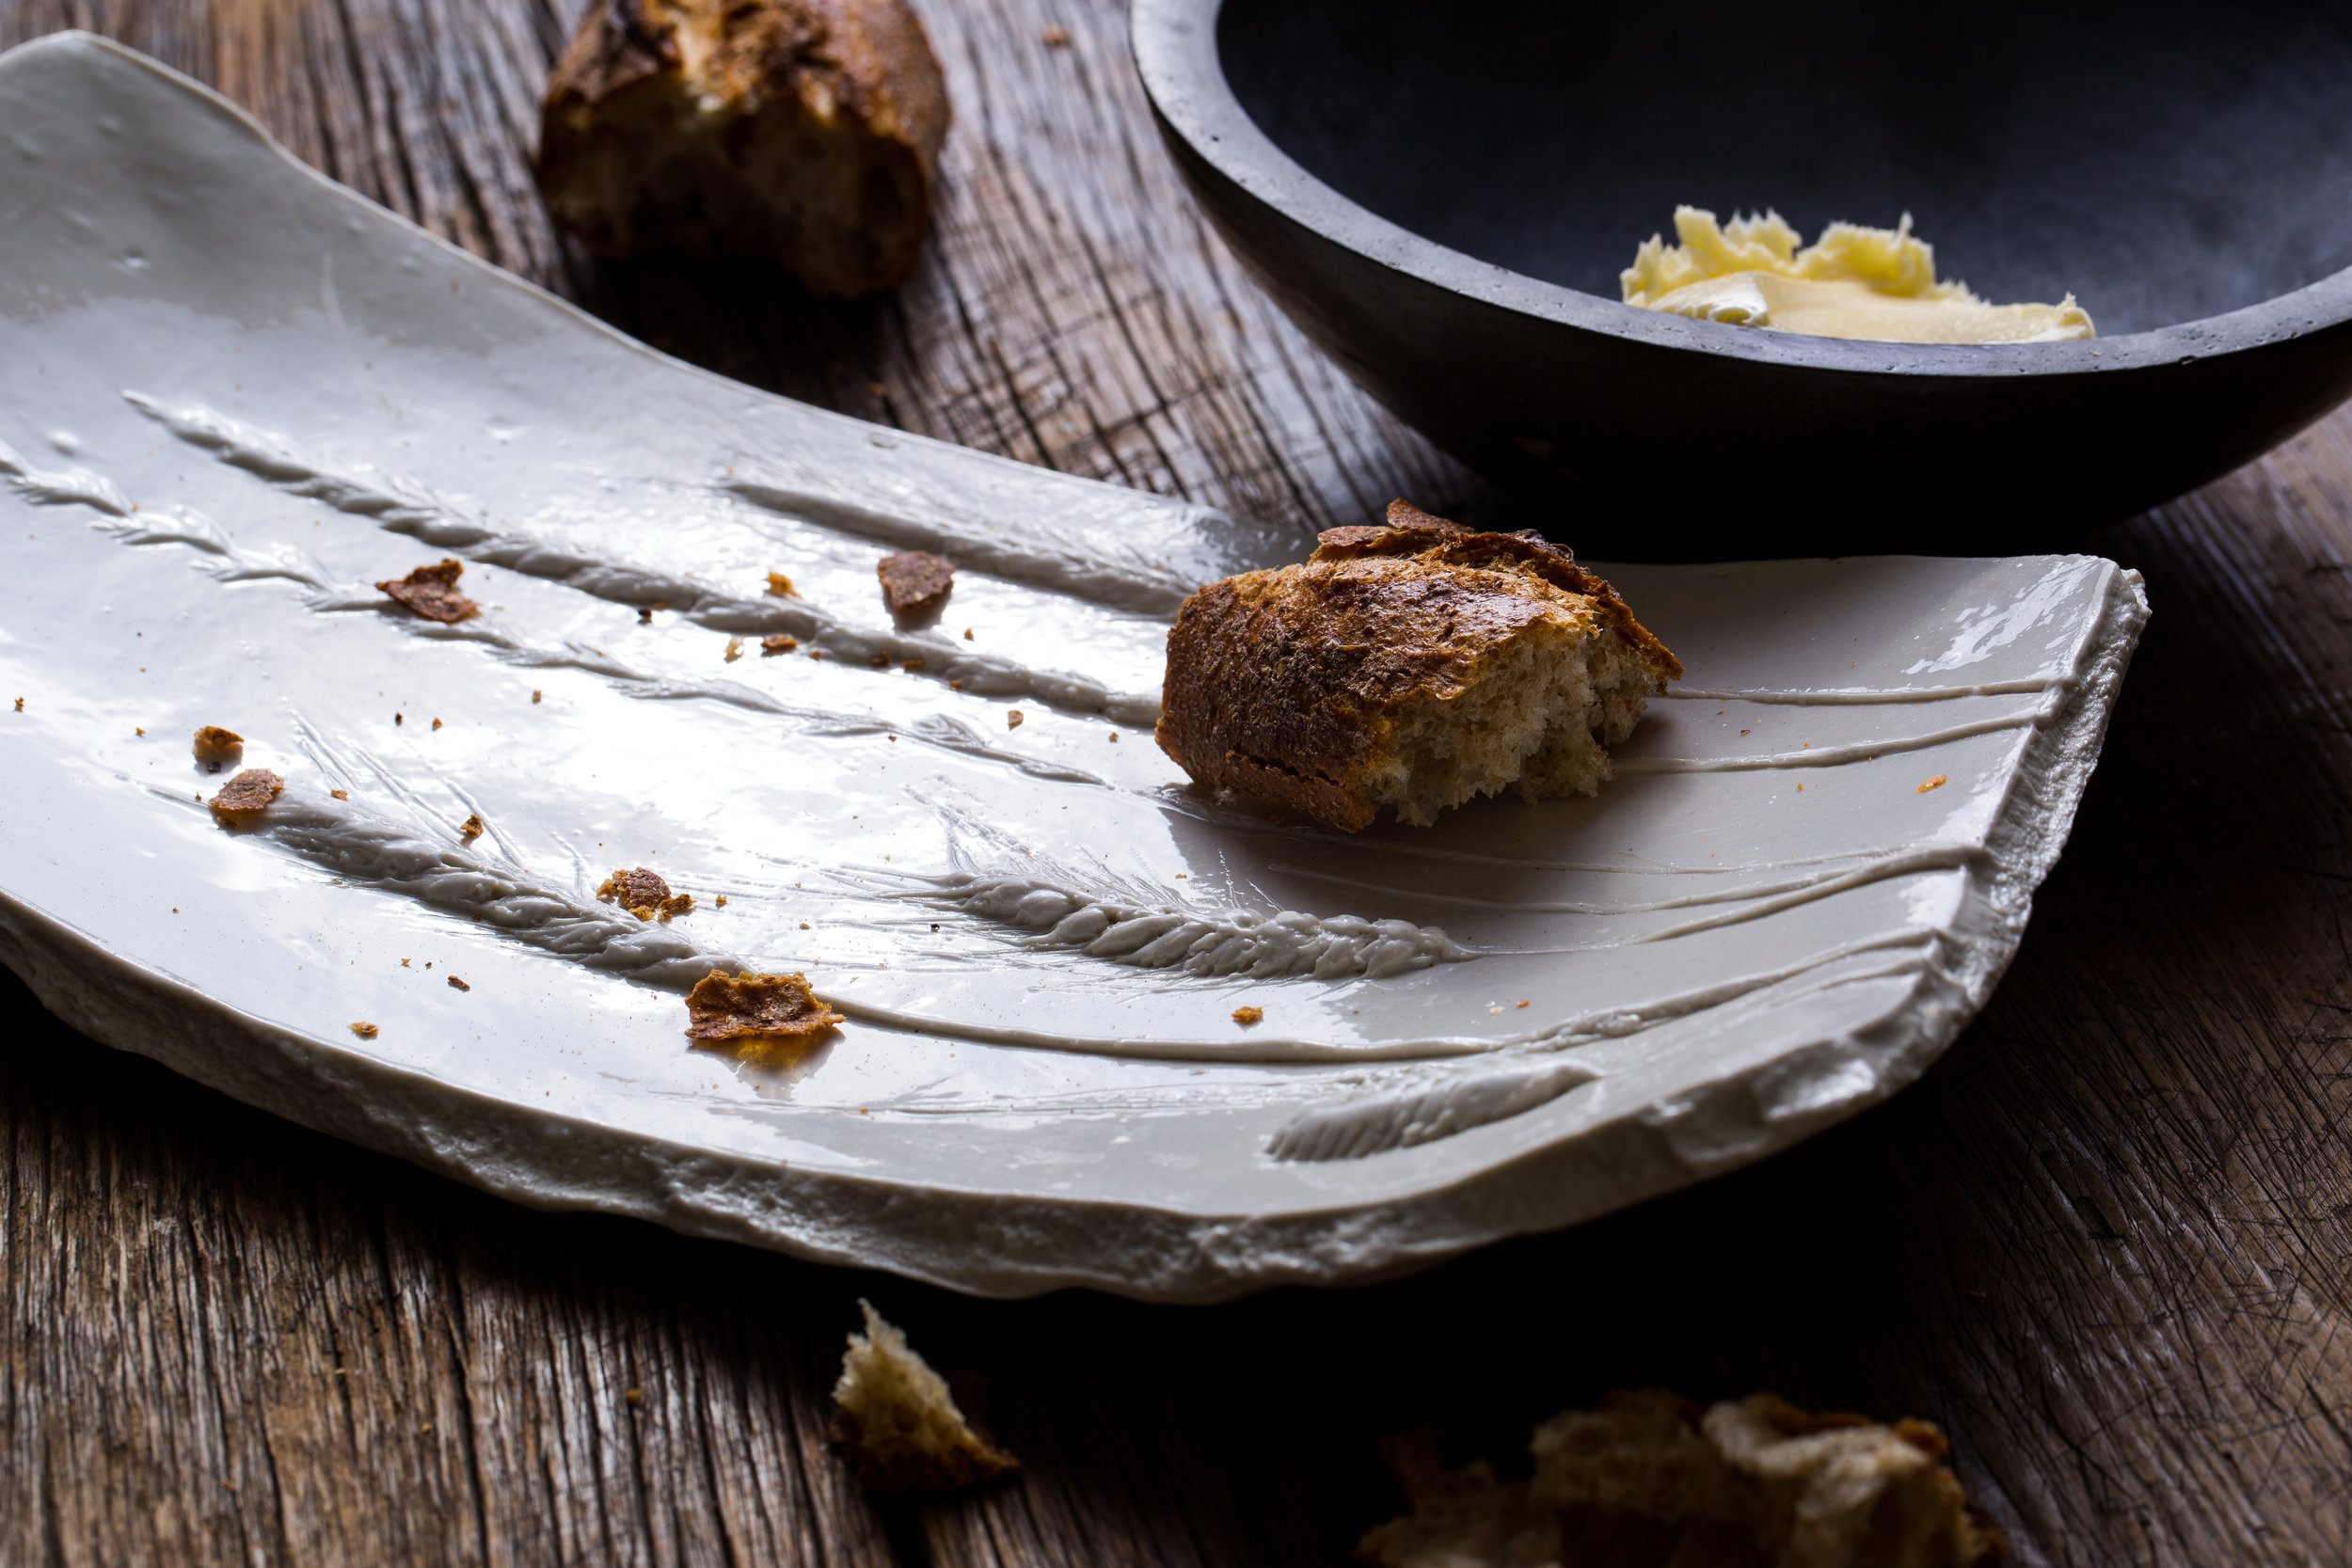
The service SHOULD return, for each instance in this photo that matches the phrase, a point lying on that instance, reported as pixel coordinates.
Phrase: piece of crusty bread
(1409, 665)
(805, 130)
(895, 1422)
(1649, 1481)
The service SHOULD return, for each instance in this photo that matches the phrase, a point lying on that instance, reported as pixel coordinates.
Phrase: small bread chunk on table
(806, 131)
(1408, 666)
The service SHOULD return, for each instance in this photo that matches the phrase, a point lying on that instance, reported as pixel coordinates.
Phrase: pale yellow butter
(1855, 282)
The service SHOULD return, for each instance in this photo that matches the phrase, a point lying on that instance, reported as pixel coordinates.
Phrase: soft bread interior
(1533, 720)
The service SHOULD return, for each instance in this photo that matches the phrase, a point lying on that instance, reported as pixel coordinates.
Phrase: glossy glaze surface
(235, 397)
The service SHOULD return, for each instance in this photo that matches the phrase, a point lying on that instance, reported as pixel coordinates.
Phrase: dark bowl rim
(1177, 58)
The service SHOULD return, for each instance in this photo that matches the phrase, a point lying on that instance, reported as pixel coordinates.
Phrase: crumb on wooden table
(432, 593)
(898, 1424)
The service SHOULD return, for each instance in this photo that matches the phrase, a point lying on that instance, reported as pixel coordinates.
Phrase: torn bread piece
(246, 796)
(1649, 1480)
(432, 593)
(1408, 666)
(915, 582)
(752, 1011)
(895, 1422)
(803, 130)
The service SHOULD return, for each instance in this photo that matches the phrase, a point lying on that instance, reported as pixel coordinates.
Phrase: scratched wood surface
(2107, 1242)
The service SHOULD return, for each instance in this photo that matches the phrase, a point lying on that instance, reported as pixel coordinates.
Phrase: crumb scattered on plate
(365, 1031)
(432, 593)
(339, 794)
(754, 1010)
(473, 827)
(770, 646)
(779, 586)
(1012, 719)
(735, 649)
(915, 581)
(1247, 1016)
(455, 984)
(1937, 782)
(216, 748)
(1649, 1477)
(247, 795)
(895, 1422)
(645, 893)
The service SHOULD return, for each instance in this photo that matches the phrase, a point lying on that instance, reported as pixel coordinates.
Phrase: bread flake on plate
(1408, 666)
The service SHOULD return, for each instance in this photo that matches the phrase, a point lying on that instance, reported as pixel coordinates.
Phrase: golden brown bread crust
(804, 131)
(1287, 684)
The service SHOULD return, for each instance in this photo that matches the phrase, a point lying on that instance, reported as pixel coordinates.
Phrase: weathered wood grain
(2107, 1242)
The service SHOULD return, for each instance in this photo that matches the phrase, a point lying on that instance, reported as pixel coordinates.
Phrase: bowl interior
(2163, 161)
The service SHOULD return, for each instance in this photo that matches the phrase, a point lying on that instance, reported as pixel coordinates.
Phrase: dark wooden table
(2106, 1242)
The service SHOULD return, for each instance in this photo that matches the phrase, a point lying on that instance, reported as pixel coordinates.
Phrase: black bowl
(1442, 197)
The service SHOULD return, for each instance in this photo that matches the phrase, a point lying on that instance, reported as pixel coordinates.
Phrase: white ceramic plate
(233, 395)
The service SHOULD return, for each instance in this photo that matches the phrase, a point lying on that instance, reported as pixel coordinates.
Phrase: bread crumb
(1752, 1482)
(879, 661)
(339, 794)
(1012, 719)
(645, 893)
(770, 646)
(455, 984)
(436, 723)
(721, 901)
(817, 653)
(247, 795)
(432, 593)
(365, 1031)
(756, 1012)
(780, 587)
(967, 634)
(1056, 38)
(895, 1420)
(1522, 1003)
(635, 1396)
(1247, 1016)
(955, 685)
(1114, 735)
(913, 581)
(535, 694)
(135, 730)
(1937, 782)
(735, 649)
(912, 665)
(473, 827)
(216, 748)
(395, 718)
